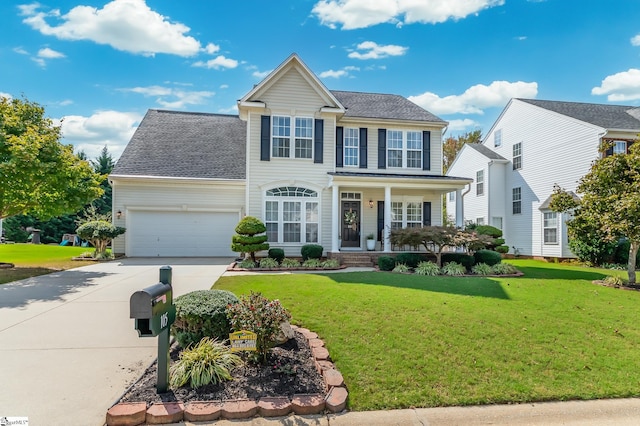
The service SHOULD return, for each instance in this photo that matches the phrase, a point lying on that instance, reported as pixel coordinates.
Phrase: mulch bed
(635, 287)
(290, 370)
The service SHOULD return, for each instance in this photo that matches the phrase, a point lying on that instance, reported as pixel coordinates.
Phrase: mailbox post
(153, 311)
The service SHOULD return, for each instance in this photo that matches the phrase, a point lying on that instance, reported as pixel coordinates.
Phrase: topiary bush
(489, 257)
(202, 313)
(386, 263)
(409, 259)
(277, 254)
(489, 230)
(502, 249)
(462, 258)
(427, 268)
(247, 239)
(311, 251)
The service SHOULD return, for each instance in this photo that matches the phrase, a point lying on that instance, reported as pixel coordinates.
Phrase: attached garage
(180, 233)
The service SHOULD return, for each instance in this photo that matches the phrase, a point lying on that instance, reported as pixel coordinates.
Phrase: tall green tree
(610, 202)
(104, 164)
(451, 146)
(38, 174)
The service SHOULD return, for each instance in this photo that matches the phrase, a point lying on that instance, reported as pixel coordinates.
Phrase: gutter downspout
(460, 206)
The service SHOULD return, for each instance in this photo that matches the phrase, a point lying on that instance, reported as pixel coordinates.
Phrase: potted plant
(371, 242)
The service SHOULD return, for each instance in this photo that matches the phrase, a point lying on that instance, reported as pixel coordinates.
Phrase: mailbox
(153, 309)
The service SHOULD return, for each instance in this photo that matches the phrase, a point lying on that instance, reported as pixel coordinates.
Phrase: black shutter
(318, 141)
(629, 143)
(426, 150)
(382, 148)
(380, 221)
(339, 146)
(426, 213)
(609, 151)
(363, 148)
(265, 138)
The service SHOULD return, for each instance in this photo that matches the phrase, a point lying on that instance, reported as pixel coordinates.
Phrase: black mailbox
(153, 309)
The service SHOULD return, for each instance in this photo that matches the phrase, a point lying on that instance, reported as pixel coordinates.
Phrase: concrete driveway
(68, 348)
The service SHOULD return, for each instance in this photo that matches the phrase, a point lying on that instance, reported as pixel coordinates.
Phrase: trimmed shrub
(290, 263)
(487, 256)
(277, 254)
(427, 268)
(464, 259)
(409, 259)
(246, 239)
(331, 264)
(268, 262)
(208, 362)
(401, 267)
(202, 313)
(504, 269)
(453, 268)
(482, 269)
(312, 263)
(502, 249)
(498, 241)
(311, 251)
(489, 230)
(386, 263)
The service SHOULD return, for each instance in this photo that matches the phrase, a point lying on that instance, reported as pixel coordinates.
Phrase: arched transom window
(292, 215)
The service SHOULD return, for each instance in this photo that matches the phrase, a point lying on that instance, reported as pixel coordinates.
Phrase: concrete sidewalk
(68, 348)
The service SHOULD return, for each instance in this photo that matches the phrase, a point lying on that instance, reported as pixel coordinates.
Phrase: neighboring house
(533, 145)
(314, 165)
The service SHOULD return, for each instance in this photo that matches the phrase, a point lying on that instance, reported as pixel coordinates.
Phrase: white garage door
(180, 234)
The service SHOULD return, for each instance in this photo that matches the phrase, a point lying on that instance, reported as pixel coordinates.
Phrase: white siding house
(533, 145)
(315, 165)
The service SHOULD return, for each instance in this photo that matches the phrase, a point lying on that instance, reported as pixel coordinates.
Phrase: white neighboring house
(315, 165)
(533, 145)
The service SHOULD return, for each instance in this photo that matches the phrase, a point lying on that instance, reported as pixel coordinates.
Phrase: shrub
(312, 263)
(482, 269)
(207, 362)
(499, 241)
(262, 316)
(277, 254)
(613, 280)
(386, 263)
(268, 262)
(247, 264)
(99, 233)
(290, 263)
(487, 256)
(502, 249)
(311, 251)
(401, 267)
(489, 230)
(202, 313)
(465, 259)
(409, 259)
(453, 268)
(246, 239)
(331, 264)
(621, 253)
(427, 268)
(504, 269)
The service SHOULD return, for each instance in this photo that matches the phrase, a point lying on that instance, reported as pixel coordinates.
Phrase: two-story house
(533, 145)
(315, 165)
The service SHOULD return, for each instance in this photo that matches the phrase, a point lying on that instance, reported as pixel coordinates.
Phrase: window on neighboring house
(406, 214)
(516, 200)
(404, 149)
(497, 137)
(517, 156)
(452, 196)
(480, 221)
(281, 141)
(550, 228)
(351, 146)
(292, 215)
(619, 147)
(480, 182)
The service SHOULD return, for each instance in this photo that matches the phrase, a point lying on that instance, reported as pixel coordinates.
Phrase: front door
(350, 230)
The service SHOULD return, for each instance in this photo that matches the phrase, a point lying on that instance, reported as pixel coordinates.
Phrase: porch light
(119, 214)
(370, 204)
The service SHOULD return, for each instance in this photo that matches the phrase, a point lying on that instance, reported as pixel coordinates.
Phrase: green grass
(37, 259)
(414, 341)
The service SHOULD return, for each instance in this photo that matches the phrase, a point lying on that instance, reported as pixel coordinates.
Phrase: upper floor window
(516, 200)
(517, 156)
(283, 145)
(292, 215)
(480, 182)
(550, 228)
(620, 147)
(404, 149)
(497, 137)
(351, 147)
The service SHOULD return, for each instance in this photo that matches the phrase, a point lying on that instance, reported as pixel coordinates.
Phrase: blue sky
(98, 65)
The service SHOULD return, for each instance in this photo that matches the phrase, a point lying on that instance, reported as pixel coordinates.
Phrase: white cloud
(170, 97)
(372, 50)
(231, 110)
(20, 50)
(462, 125)
(127, 25)
(352, 14)
(333, 74)
(5, 95)
(635, 40)
(47, 53)
(91, 134)
(261, 74)
(211, 48)
(217, 63)
(623, 86)
(224, 86)
(476, 98)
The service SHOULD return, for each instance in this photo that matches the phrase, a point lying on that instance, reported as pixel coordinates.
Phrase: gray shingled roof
(487, 152)
(377, 105)
(606, 116)
(186, 144)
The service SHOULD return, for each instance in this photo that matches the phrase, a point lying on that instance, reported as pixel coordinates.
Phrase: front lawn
(413, 341)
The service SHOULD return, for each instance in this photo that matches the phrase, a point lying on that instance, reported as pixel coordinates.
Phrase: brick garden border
(333, 401)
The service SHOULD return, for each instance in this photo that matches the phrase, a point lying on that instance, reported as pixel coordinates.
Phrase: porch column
(386, 232)
(459, 209)
(335, 215)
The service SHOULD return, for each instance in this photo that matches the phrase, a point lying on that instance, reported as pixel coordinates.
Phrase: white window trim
(556, 227)
(405, 201)
(480, 183)
(497, 138)
(357, 147)
(292, 136)
(513, 200)
(280, 200)
(405, 150)
(519, 156)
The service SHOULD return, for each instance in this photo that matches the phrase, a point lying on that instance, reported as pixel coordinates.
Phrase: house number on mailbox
(164, 320)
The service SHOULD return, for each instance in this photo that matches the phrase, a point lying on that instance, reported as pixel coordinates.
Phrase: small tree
(246, 239)
(435, 239)
(99, 233)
